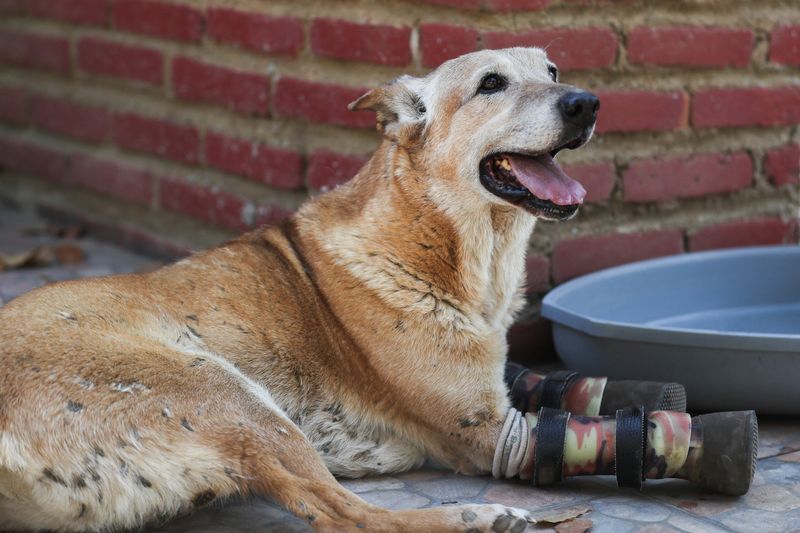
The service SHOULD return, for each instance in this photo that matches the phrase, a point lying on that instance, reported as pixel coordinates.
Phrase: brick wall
(179, 122)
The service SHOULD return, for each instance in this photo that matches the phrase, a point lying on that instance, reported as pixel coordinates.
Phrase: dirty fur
(362, 336)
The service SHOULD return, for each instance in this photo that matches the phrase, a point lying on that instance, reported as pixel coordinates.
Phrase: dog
(363, 336)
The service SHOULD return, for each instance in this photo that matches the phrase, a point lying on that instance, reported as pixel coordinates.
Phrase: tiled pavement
(773, 504)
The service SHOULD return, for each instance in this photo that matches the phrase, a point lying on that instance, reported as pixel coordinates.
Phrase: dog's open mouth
(534, 182)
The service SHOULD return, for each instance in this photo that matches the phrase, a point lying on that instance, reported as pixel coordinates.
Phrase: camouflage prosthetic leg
(590, 396)
(716, 451)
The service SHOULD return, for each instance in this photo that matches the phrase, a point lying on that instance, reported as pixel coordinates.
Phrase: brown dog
(364, 335)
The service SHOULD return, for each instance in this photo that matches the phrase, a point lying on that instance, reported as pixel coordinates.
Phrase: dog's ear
(400, 110)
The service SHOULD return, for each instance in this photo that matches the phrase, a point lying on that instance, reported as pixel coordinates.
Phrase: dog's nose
(579, 107)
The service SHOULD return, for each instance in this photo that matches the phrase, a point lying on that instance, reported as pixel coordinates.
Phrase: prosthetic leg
(716, 451)
(589, 396)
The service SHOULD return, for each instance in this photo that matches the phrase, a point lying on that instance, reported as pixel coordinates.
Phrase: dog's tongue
(543, 177)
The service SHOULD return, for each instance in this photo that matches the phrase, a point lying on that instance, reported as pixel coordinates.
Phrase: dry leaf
(557, 516)
(69, 254)
(39, 256)
(578, 525)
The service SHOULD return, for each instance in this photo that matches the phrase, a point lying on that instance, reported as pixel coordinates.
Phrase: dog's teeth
(505, 164)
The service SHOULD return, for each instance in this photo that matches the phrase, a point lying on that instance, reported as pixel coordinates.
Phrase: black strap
(551, 431)
(512, 373)
(631, 437)
(554, 386)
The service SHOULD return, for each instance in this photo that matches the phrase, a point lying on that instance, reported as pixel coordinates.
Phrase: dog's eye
(553, 71)
(492, 83)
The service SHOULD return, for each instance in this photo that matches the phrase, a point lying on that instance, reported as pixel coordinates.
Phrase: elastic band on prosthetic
(560, 390)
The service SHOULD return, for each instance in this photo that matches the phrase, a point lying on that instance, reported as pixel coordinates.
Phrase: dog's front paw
(494, 518)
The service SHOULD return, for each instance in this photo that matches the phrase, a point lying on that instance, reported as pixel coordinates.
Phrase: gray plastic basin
(725, 324)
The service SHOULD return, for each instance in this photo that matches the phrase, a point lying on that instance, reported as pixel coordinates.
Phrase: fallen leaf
(577, 525)
(39, 256)
(69, 254)
(557, 516)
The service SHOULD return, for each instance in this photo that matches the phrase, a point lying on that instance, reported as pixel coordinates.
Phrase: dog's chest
(355, 445)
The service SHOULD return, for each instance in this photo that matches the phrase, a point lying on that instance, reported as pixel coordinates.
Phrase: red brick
(691, 46)
(440, 42)
(783, 165)
(537, 273)
(463, 4)
(12, 7)
(170, 21)
(155, 136)
(579, 256)
(577, 48)
(93, 12)
(253, 31)
(373, 43)
(13, 105)
(208, 204)
(272, 166)
(111, 178)
(597, 178)
(515, 5)
(31, 158)
(746, 106)
(34, 50)
(107, 58)
(271, 214)
(326, 169)
(243, 92)
(320, 102)
(784, 45)
(756, 232)
(82, 122)
(642, 111)
(664, 179)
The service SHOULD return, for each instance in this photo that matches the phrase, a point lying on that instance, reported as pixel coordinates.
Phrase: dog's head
(488, 125)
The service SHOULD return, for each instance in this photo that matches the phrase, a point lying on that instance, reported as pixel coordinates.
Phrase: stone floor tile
(690, 524)
(396, 499)
(757, 521)
(778, 436)
(522, 494)
(772, 498)
(451, 487)
(635, 509)
(374, 483)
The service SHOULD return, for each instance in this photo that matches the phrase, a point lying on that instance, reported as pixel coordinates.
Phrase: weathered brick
(537, 273)
(156, 136)
(440, 42)
(515, 5)
(108, 58)
(32, 158)
(254, 31)
(34, 50)
(13, 105)
(463, 4)
(271, 166)
(746, 106)
(373, 43)
(597, 178)
(638, 110)
(576, 48)
(179, 22)
(327, 169)
(582, 255)
(243, 92)
(692, 46)
(87, 123)
(209, 204)
(784, 45)
(109, 177)
(320, 102)
(783, 165)
(755, 232)
(269, 214)
(93, 12)
(661, 179)
(12, 7)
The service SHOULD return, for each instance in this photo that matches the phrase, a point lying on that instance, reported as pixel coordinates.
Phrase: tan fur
(362, 336)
